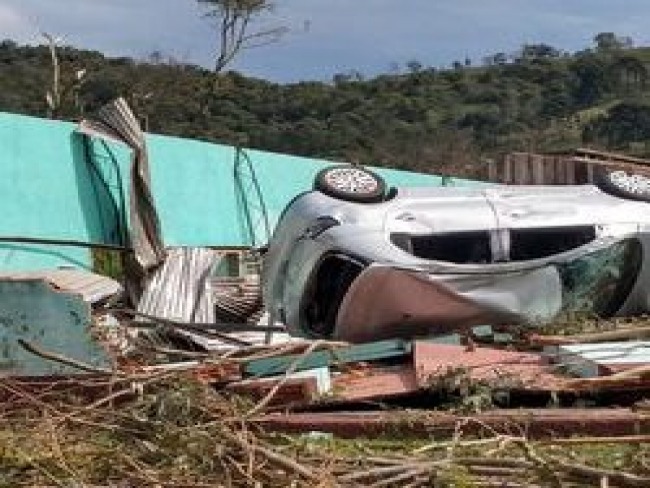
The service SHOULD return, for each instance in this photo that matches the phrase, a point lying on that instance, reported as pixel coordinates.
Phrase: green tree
(608, 41)
(631, 71)
(624, 123)
(538, 51)
(414, 66)
(593, 78)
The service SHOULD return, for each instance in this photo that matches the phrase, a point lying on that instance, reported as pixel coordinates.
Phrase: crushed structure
(319, 335)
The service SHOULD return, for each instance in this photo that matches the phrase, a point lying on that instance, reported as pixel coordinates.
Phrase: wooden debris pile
(168, 429)
(421, 413)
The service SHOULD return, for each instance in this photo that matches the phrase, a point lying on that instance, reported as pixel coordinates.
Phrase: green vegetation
(425, 119)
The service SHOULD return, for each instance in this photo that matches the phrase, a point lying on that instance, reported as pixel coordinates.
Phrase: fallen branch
(624, 439)
(399, 479)
(471, 443)
(375, 473)
(274, 456)
(619, 478)
(594, 337)
(287, 375)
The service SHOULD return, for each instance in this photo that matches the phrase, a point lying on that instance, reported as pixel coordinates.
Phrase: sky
(329, 36)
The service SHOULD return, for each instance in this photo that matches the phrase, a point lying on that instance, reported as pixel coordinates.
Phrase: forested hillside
(421, 118)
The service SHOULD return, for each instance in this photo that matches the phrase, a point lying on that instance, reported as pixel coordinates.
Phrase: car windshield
(599, 283)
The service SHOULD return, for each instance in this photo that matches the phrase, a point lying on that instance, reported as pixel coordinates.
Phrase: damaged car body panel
(429, 261)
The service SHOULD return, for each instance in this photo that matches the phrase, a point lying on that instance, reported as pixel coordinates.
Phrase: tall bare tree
(63, 91)
(234, 31)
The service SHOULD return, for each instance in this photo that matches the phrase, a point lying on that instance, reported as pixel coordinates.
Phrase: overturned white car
(350, 261)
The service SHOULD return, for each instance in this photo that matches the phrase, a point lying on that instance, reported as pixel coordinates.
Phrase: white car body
(435, 260)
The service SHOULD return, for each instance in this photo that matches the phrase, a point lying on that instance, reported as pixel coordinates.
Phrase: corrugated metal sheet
(237, 299)
(588, 360)
(252, 338)
(185, 289)
(116, 122)
(91, 287)
(629, 352)
(179, 290)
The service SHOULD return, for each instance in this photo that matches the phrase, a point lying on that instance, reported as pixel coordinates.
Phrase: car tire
(351, 183)
(622, 184)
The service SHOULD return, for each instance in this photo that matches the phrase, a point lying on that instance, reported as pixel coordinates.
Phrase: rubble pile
(174, 425)
(185, 374)
(451, 411)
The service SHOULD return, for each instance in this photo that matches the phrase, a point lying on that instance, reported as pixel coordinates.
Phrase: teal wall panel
(55, 321)
(194, 189)
(49, 190)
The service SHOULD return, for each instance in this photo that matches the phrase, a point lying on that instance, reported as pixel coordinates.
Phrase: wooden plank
(590, 173)
(560, 175)
(580, 173)
(549, 170)
(493, 171)
(570, 171)
(609, 157)
(537, 167)
(542, 423)
(525, 170)
(507, 169)
(520, 169)
(616, 165)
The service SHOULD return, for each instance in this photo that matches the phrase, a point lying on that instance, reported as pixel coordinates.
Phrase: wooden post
(493, 171)
(570, 171)
(537, 163)
(507, 169)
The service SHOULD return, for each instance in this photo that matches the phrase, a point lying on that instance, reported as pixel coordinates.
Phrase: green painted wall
(55, 321)
(49, 190)
(46, 191)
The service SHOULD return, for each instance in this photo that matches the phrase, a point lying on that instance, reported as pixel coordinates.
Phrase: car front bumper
(387, 301)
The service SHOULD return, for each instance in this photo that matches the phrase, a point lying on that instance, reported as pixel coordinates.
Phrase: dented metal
(443, 259)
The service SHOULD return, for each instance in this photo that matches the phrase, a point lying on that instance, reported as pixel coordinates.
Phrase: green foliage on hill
(423, 119)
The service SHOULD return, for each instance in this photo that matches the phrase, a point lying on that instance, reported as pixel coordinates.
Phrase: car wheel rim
(635, 184)
(351, 180)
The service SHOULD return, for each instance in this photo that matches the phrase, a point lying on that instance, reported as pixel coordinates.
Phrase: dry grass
(171, 431)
